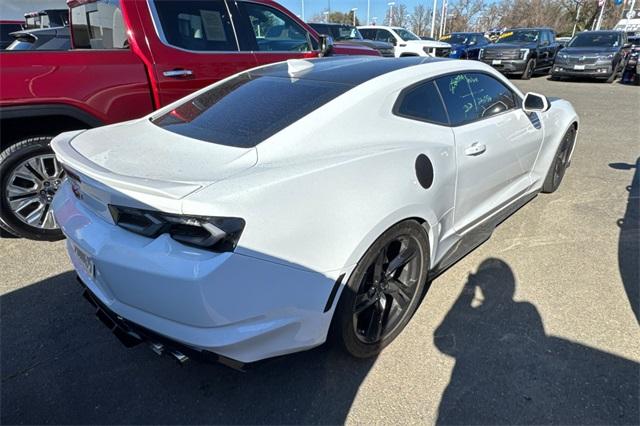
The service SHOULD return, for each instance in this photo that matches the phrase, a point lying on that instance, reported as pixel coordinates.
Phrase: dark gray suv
(593, 54)
(348, 34)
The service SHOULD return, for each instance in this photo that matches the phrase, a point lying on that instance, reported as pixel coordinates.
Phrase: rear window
(6, 29)
(246, 110)
(98, 25)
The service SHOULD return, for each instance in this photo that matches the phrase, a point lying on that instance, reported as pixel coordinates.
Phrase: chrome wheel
(387, 289)
(30, 189)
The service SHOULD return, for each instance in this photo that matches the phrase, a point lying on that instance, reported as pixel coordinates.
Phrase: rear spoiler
(72, 159)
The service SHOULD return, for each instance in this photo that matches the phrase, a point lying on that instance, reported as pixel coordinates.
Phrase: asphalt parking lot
(552, 336)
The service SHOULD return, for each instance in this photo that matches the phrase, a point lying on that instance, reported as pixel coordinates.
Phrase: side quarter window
(273, 31)
(422, 102)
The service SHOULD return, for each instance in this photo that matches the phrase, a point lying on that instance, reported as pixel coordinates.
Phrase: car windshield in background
(246, 110)
(338, 32)
(406, 34)
(521, 36)
(459, 38)
(595, 40)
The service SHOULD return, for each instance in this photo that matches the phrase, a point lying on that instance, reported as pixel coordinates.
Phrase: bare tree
(463, 13)
(397, 15)
(420, 20)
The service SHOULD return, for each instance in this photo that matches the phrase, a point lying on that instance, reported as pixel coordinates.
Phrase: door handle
(178, 73)
(475, 149)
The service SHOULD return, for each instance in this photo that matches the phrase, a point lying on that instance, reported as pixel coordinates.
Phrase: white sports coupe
(301, 200)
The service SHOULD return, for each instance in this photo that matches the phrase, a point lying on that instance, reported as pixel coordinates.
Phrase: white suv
(404, 41)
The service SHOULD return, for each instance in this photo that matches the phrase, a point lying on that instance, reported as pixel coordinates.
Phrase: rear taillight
(217, 234)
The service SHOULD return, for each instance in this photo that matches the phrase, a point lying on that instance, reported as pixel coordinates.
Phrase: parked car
(631, 73)
(47, 18)
(349, 34)
(242, 240)
(127, 61)
(41, 39)
(6, 28)
(593, 54)
(563, 41)
(404, 41)
(465, 45)
(522, 51)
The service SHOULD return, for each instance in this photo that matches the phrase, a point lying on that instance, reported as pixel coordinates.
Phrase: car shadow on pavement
(60, 365)
(509, 371)
(629, 240)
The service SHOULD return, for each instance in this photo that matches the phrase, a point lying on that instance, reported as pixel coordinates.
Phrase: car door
(195, 45)
(271, 34)
(496, 145)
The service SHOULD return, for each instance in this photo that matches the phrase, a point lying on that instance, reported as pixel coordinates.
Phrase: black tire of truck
(30, 175)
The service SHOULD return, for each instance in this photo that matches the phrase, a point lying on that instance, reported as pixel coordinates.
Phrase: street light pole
(354, 9)
(390, 4)
(442, 17)
(604, 3)
(303, 11)
(575, 25)
(433, 17)
(368, 12)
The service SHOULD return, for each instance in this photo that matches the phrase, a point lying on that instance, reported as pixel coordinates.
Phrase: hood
(522, 45)
(368, 43)
(341, 48)
(430, 43)
(588, 51)
(141, 154)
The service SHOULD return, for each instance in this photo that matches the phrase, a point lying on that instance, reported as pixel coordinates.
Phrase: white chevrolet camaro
(301, 200)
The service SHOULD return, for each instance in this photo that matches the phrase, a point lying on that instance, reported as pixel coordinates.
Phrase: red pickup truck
(129, 57)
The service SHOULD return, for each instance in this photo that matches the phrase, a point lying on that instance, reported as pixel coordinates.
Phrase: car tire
(560, 162)
(614, 74)
(30, 175)
(381, 297)
(529, 69)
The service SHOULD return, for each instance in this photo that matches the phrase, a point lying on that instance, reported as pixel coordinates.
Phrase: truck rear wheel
(30, 177)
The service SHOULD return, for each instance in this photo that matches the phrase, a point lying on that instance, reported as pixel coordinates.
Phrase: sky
(10, 9)
(377, 8)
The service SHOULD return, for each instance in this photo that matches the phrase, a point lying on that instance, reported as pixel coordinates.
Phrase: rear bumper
(237, 306)
(508, 66)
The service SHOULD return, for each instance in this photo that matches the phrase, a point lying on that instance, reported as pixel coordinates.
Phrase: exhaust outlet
(179, 356)
(158, 348)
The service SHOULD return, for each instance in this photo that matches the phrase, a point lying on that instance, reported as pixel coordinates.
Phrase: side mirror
(326, 45)
(535, 102)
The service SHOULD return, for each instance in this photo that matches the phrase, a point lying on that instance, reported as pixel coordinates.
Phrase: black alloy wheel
(384, 290)
(560, 162)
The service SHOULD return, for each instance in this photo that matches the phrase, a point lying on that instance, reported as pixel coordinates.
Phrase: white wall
(15, 9)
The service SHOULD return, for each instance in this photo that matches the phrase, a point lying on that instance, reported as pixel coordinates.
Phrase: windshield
(20, 45)
(459, 38)
(519, 36)
(595, 40)
(406, 34)
(246, 110)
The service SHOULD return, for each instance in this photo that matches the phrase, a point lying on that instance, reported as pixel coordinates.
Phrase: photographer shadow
(509, 371)
(629, 239)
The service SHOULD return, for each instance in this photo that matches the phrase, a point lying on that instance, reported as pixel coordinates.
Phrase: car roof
(529, 28)
(349, 70)
(600, 32)
(335, 24)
